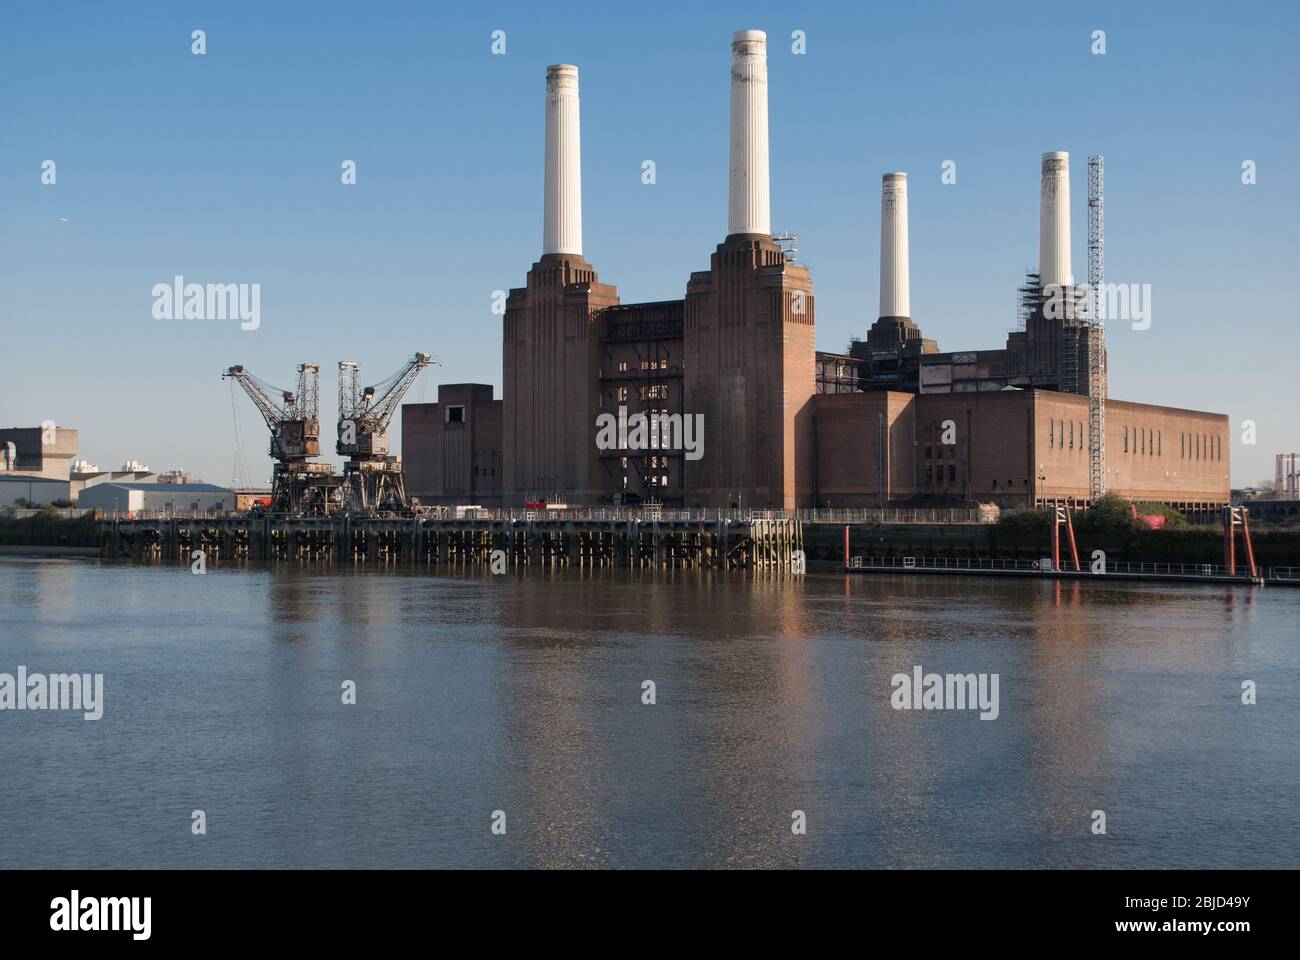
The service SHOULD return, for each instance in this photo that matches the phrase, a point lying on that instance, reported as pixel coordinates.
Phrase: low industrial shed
(177, 499)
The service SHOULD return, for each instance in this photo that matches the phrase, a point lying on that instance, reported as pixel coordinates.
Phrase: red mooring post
(1229, 544)
(1245, 539)
(1074, 549)
(1056, 538)
(846, 546)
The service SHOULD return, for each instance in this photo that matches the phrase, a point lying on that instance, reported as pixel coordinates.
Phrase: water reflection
(524, 693)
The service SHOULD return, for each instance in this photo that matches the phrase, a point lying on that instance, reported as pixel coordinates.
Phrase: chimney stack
(895, 288)
(1054, 222)
(562, 219)
(749, 204)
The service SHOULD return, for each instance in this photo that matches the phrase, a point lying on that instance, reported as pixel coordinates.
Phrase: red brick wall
(449, 462)
(551, 353)
(749, 345)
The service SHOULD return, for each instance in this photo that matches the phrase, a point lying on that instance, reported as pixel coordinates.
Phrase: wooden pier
(715, 542)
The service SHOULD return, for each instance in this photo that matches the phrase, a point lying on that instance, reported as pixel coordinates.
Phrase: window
(952, 472)
(1126, 439)
(1051, 433)
(1182, 444)
(1160, 443)
(1071, 434)
(622, 366)
(456, 413)
(622, 393)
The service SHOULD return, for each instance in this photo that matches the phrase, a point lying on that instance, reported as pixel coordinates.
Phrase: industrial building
(170, 499)
(894, 420)
(35, 464)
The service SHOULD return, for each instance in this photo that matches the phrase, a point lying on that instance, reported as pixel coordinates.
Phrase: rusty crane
(299, 487)
(372, 477)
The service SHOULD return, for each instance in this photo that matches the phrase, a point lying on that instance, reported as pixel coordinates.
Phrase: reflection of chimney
(895, 292)
(1054, 222)
(749, 206)
(562, 219)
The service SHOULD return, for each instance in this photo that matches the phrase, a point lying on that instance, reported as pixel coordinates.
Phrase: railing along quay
(1120, 570)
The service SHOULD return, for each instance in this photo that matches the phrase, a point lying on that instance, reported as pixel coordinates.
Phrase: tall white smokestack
(895, 287)
(1054, 221)
(749, 206)
(562, 220)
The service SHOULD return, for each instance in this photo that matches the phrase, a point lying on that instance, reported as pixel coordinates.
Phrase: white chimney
(562, 219)
(749, 205)
(895, 288)
(1054, 222)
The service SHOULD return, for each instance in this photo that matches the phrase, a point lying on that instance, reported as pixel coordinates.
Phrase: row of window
(651, 481)
(1056, 433)
(1142, 441)
(661, 364)
(1200, 446)
(653, 391)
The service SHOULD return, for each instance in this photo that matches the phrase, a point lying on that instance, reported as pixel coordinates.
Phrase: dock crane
(372, 478)
(299, 487)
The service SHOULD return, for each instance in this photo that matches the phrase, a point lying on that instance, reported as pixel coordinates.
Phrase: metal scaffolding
(1097, 335)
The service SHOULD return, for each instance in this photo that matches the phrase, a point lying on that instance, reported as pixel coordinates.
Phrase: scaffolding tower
(1097, 333)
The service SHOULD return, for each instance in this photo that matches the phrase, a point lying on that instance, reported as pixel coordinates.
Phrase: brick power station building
(893, 421)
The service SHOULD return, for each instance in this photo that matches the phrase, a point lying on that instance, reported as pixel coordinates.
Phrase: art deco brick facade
(551, 362)
(749, 348)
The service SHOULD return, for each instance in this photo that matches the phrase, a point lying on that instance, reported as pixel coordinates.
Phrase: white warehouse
(176, 499)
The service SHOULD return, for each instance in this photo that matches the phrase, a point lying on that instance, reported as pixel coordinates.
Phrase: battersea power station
(720, 398)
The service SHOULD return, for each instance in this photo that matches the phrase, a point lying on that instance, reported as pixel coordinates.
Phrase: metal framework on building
(1097, 351)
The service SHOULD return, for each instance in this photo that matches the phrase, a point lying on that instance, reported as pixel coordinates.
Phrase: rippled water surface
(523, 693)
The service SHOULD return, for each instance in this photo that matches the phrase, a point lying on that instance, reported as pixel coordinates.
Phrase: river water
(523, 694)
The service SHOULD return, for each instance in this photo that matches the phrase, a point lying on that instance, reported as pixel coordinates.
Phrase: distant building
(35, 464)
(45, 451)
(1287, 482)
(88, 475)
(174, 499)
(176, 476)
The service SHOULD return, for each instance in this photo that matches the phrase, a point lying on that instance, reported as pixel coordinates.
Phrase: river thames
(523, 694)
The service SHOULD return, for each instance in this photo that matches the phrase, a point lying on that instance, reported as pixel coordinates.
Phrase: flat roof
(177, 487)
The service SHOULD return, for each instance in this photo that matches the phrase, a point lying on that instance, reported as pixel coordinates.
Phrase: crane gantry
(372, 480)
(372, 477)
(298, 486)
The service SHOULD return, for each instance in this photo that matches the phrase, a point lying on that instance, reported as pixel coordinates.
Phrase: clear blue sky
(225, 168)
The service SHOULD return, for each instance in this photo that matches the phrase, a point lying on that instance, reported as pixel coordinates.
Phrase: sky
(225, 167)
